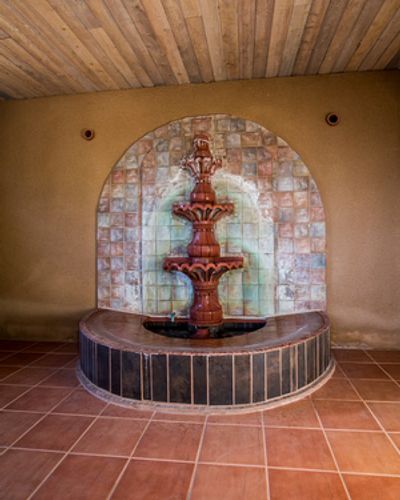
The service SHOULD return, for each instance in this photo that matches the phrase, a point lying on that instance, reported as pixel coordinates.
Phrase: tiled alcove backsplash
(278, 224)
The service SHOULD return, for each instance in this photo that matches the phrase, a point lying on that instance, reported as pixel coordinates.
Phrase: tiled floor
(57, 441)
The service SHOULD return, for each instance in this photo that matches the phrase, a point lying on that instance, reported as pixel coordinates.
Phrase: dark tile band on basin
(226, 378)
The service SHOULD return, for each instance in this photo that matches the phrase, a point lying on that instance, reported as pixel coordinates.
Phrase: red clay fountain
(204, 265)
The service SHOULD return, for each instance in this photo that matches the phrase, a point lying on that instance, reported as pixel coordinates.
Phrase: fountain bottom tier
(126, 359)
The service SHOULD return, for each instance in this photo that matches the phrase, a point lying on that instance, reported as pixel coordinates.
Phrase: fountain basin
(126, 363)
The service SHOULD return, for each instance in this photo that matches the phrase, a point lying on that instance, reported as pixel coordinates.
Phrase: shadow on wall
(278, 224)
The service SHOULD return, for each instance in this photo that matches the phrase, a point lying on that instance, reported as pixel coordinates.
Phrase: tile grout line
(66, 453)
(117, 481)
(331, 451)
(373, 415)
(197, 459)
(264, 438)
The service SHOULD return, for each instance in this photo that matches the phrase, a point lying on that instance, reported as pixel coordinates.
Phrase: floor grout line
(331, 451)
(197, 459)
(264, 438)
(117, 481)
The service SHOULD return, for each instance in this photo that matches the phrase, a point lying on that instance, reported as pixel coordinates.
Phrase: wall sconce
(87, 134)
(332, 119)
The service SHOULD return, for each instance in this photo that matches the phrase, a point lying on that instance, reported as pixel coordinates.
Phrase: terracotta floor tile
(39, 399)
(81, 402)
(29, 376)
(386, 356)
(70, 348)
(298, 448)
(393, 369)
(10, 392)
(240, 418)
(373, 487)
(171, 440)
(336, 388)
(13, 424)
(377, 390)
(83, 478)
(14, 345)
(111, 436)
(148, 480)
(55, 432)
(228, 444)
(56, 360)
(22, 471)
(298, 414)
(215, 482)
(44, 347)
(338, 373)
(345, 415)
(179, 417)
(299, 485)
(364, 452)
(362, 370)
(120, 411)
(62, 378)
(396, 439)
(351, 355)
(20, 359)
(5, 371)
(388, 414)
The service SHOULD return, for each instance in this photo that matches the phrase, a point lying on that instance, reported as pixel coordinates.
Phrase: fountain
(203, 361)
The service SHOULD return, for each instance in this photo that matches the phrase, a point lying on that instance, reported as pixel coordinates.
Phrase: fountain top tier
(204, 265)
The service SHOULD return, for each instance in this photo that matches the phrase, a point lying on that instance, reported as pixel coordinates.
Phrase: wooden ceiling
(52, 47)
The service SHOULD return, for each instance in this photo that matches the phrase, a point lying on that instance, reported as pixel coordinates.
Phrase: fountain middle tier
(206, 311)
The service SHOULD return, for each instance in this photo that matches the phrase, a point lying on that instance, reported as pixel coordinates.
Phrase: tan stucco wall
(51, 179)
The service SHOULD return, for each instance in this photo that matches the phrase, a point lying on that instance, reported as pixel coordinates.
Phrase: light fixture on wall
(87, 134)
(332, 119)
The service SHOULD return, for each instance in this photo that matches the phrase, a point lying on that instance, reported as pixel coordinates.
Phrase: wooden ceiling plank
(57, 34)
(50, 43)
(4, 35)
(382, 18)
(228, 12)
(161, 27)
(132, 70)
(179, 29)
(395, 62)
(280, 27)
(81, 11)
(139, 17)
(353, 39)
(383, 41)
(345, 27)
(312, 28)
(247, 11)
(390, 52)
(22, 32)
(107, 71)
(24, 78)
(16, 81)
(10, 92)
(31, 66)
(263, 15)
(300, 12)
(133, 38)
(61, 24)
(330, 23)
(197, 35)
(103, 39)
(212, 28)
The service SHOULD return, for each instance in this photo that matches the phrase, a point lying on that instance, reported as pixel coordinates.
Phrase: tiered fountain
(204, 266)
(203, 361)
